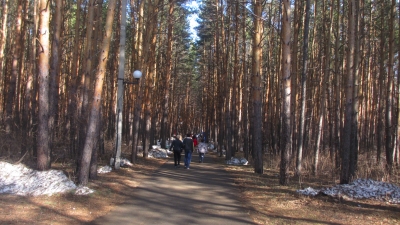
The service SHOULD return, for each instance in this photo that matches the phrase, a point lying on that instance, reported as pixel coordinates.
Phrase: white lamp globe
(137, 74)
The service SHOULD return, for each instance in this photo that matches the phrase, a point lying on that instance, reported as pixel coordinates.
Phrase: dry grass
(270, 203)
(112, 189)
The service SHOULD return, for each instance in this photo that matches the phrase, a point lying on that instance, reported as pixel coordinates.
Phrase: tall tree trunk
(30, 80)
(356, 94)
(120, 93)
(256, 89)
(150, 61)
(325, 77)
(235, 85)
(16, 48)
(73, 87)
(398, 101)
(286, 141)
(302, 118)
(168, 67)
(43, 141)
(345, 175)
(86, 78)
(336, 81)
(294, 77)
(245, 91)
(138, 102)
(94, 117)
(381, 82)
(227, 84)
(55, 68)
(389, 127)
(3, 37)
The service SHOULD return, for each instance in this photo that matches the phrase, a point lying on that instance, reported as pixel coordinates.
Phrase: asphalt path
(203, 194)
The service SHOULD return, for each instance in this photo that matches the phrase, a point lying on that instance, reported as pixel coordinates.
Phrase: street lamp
(120, 104)
(137, 74)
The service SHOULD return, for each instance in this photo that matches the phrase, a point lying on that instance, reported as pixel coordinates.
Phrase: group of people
(189, 144)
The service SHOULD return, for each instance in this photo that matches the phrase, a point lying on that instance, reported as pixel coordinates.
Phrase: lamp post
(120, 104)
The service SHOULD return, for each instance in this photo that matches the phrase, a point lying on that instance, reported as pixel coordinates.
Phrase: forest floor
(267, 201)
(270, 203)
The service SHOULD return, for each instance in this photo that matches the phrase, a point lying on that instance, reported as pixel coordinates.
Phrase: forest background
(298, 80)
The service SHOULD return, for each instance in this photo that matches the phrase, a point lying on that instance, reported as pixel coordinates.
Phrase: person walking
(202, 150)
(177, 147)
(195, 142)
(189, 147)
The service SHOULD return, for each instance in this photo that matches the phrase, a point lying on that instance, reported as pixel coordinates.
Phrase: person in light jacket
(202, 150)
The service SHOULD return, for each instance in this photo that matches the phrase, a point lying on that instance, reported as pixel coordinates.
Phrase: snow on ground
(236, 161)
(104, 169)
(158, 152)
(360, 189)
(20, 180)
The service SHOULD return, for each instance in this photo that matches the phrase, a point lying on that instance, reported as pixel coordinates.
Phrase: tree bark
(29, 86)
(43, 141)
(55, 68)
(245, 92)
(168, 67)
(120, 93)
(256, 90)
(73, 85)
(11, 103)
(345, 175)
(138, 102)
(303, 87)
(94, 117)
(326, 75)
(286, 141)
(3, 37)
(389, 128)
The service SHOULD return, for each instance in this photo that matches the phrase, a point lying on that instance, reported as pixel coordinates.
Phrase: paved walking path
(204, 194)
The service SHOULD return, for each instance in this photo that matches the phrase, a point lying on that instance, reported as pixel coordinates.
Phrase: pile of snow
(20, 180)
(360, 189)
(156, 146)
(81, 190)
(236, 161)
(158, 152)
(125, 162)
(104, 169)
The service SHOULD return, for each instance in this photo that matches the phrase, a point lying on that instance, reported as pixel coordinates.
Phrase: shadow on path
(204, 194)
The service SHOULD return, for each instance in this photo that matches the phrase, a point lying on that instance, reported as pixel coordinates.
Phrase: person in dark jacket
(189, 147)
(177, 147)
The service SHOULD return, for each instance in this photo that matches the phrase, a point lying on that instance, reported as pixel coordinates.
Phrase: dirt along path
(204, 194)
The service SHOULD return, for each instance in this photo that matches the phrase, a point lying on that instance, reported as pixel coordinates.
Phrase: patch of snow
(20, 180)
(158, 152)
(81, 190)
(156, 146)
(236, 161)
(309, 191)
(125, 162)
(104, 169)
(360, 189)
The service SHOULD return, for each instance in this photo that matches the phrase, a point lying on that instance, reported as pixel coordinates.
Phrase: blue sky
(192, 19)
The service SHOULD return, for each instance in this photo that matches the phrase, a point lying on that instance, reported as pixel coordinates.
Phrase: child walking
(201, 149)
